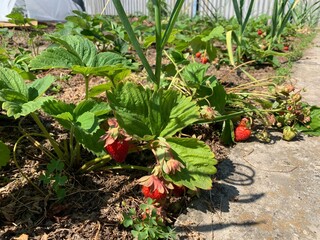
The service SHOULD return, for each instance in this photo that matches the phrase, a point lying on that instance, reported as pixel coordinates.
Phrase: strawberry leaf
(198, 160)
(10, 79)
(313, 128)
(20, 99)
(227, 135)
(54, 58)
(80, 54)
(148, 114)
(84, 119)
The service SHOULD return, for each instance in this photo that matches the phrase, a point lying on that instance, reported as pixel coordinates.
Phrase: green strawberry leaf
(194, 74)
(20, 99)
(215, 94)
(88, 121)
(148, 114)
(10, 79)
(54, 58)
(83, 119)
(216, 33)
(101, 88)
(39, 86)
(227, 135)
(198, 160)
(313, 128)
(79, 46)
(90, 141)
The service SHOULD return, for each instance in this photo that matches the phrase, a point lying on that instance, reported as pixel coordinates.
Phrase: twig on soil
(96, 237)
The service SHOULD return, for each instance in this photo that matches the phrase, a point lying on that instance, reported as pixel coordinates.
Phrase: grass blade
(133, 39)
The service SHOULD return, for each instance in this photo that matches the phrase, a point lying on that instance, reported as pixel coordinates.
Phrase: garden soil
(265, 191)
(262, 191)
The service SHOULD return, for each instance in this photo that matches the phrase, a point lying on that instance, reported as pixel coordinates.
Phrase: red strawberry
(118, 150)
(155, 194)
(242, 131)
(260, 32)
(198, 54)
(286, 48)
(204, 60)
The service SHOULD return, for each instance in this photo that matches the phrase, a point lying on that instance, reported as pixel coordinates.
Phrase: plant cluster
(133, 117)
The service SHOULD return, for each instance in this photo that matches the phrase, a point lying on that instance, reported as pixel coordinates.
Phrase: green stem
(231, 115)
(157, 11)
(86, 80)
(88, 165)
(172, 20)
(47, 135)
(131, 167)
(255, 94)
(124, 19)
(18, 166)
(35, 142)
(71, 147)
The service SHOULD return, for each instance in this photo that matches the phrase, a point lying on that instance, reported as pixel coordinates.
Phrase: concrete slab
(265, 191)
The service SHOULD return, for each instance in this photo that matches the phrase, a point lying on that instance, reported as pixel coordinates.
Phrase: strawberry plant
(155, 117)
(55, 178)
(102, 30)
(242, 20)
(282, 12)
(148, 224)
(306, 13)
(80, 55)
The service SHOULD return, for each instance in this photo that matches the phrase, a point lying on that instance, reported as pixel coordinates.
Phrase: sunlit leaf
(198, 160)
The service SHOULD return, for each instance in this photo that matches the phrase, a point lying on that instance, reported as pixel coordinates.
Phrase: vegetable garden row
(157, 89)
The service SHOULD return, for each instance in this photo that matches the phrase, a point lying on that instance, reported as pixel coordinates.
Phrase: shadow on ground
(217, 201)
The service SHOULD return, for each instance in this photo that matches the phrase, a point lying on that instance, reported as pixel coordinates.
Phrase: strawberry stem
(133, 167)
(97, 161)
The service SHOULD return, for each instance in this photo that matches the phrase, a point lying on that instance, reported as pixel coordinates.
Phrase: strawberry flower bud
(171, 166)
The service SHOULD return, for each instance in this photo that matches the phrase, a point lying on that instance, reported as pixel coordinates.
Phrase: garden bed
(94, 202)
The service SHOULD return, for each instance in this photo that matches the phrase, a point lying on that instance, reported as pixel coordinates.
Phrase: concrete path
(266, 191)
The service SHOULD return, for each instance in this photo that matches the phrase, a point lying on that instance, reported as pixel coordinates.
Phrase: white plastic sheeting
(42, 10)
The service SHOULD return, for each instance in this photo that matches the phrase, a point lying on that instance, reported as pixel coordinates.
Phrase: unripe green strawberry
(118, 150)
(289, 133)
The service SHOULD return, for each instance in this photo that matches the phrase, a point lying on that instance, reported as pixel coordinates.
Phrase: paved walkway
(266, 191)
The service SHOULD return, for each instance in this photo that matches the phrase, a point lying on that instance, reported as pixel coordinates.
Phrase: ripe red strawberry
(242, 131)
(118, 150)
(198, 54)
(260, 32)
(204, 60)
(155, 194)
(286, 48)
